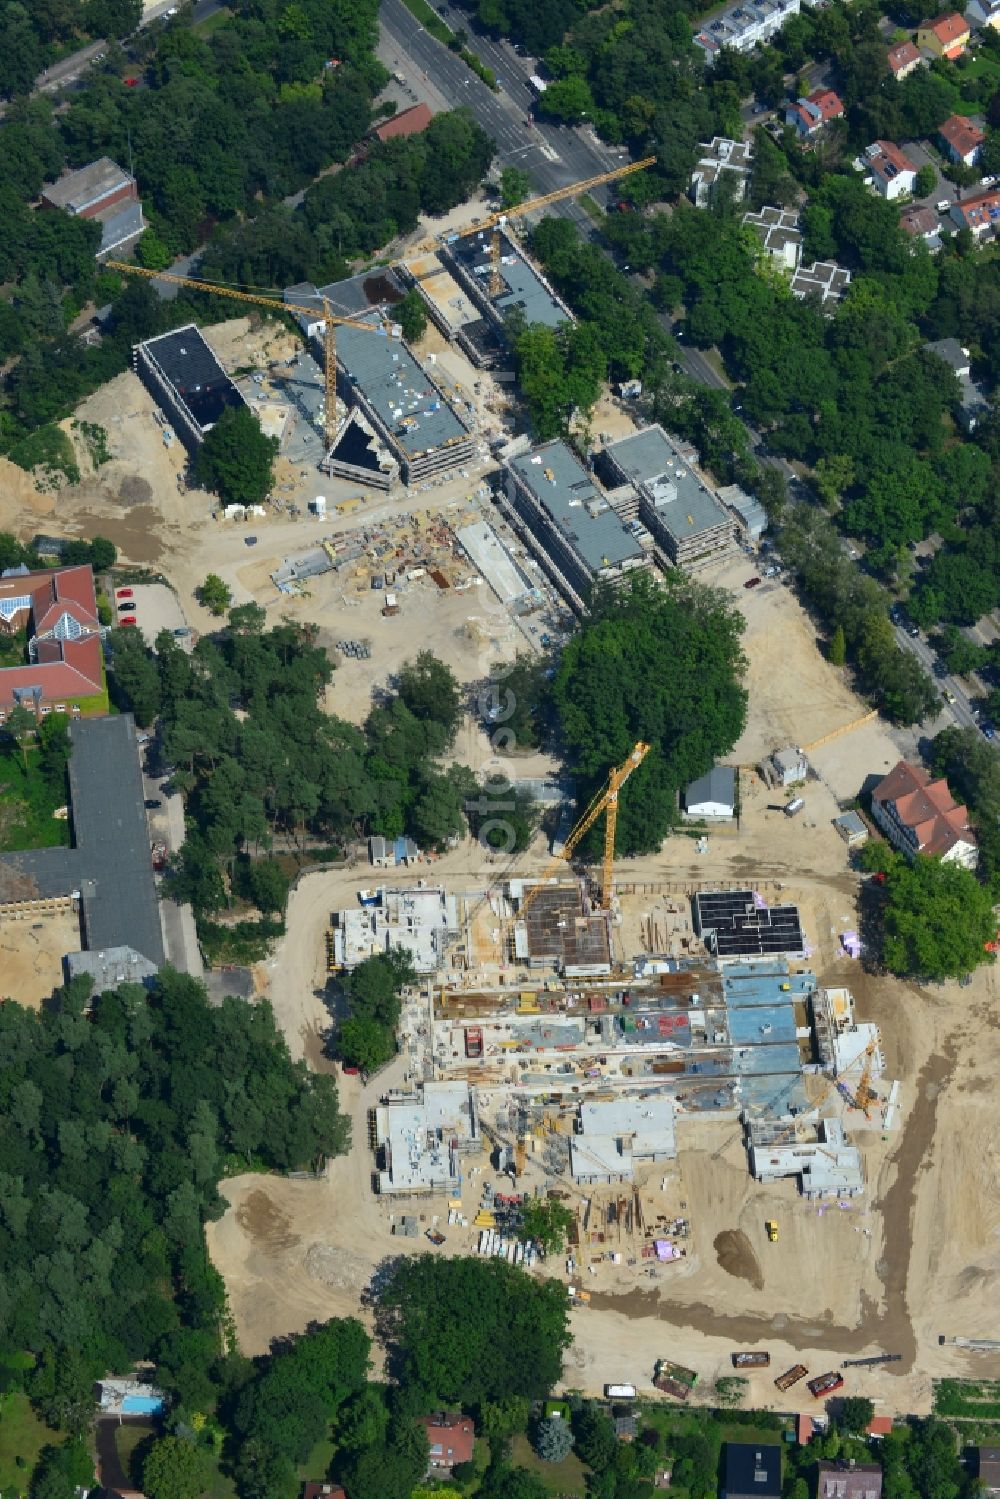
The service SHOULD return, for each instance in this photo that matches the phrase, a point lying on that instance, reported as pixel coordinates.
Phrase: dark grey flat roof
(111, 864)
(412, 407)
(524, 287)
(192, 369)
(734, 926)
(350, 298)
(120, 908)
(719, 785)
(683, 502)
(561, 484)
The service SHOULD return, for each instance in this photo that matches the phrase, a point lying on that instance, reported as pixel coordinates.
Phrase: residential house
(803, 1430)
(824, 281)
(452, 1440)
(987, 1468)
(903, 59)
(323, 1491)
(892, 172)
(849, 1480)
(105, 192)
(626, 1428)
(878, 1427)
(962, 140)
(779, 232)
(980, 214)
(753, 1471)
(57, 609)
(920, 816)
(922, 223)
(817, 109)
(973, 400)
(721, 160)
(984, 13)
(408, 122)
(743, 27)
(712, 795)
(947, 36)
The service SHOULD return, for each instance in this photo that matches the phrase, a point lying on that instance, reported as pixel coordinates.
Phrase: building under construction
(500, 281)
(186, 380)
(401, 427)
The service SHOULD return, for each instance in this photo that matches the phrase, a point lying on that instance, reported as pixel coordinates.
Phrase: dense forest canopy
(660, 663)
(115, 1129)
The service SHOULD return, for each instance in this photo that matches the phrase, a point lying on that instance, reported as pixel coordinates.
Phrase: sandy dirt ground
(31, 952)
(918, 1257)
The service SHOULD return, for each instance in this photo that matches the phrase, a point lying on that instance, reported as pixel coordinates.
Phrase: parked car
(181, 633)
(152, 803)
(126, 608)
(129, 620)
(751, 583)
(913, 631)
(123, 593)
(988, 730)
(249, 541)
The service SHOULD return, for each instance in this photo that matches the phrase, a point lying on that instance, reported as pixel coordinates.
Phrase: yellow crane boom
(606, 800)
(330, 320)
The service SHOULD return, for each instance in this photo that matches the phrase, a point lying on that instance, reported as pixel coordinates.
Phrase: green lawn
(567, 1477)
(128, 1436)
(22, 1435)
(429, 20)
(27, 804)
(212, 23)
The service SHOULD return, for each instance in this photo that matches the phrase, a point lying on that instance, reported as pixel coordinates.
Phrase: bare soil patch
(735, 1255)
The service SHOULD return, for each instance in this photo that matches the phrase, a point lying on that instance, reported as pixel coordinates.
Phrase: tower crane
(605, 801)
(330, 322)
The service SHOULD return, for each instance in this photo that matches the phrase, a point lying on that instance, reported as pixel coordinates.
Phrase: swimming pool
(142, 1405)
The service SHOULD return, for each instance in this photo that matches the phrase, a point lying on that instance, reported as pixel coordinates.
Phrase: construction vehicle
(863, 1094)
(772, 1231)
(674, 1379)
(474, 1041)
(751, 1360)
(825, 1384)
(791, 1376)
(605, 801)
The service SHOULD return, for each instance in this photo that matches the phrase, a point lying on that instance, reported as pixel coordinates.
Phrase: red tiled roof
(918, 220)
(903, 56)
(804, 1429)
(984, 208)
(452, 1438)
(827, 102)
(883, 154)
(65, 668)
(961, 135)
(948, 28)
(409, 122)
(926, 807)
(323, 1491)
(879, 1426)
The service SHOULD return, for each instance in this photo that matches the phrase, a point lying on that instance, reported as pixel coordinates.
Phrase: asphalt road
(69, 70)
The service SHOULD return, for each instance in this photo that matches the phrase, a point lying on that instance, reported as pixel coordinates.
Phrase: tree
(936, 919)
(215, 595)
(174, 1469)
(547, 1221)
(515, 187)
(837, 649)
(411, 314)
(362, 1042)
(567, 99)
(595, 1438)
(266, 884)
(925, 182)
(429, 689)
(553, 1439)
(660, 664)
(513, 1330)
(236, 460)
(856, 1413)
